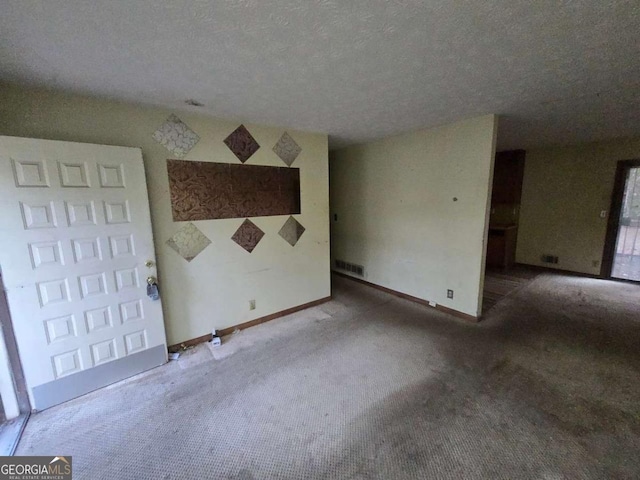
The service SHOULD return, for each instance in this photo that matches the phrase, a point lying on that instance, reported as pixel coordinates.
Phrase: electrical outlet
(449, 293)
(432, 304)
(252, 304)
(603, 214)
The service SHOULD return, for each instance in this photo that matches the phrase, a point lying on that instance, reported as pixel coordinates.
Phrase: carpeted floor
(500, 283)
(372, 386)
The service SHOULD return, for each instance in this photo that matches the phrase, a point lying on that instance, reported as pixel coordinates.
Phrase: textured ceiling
(557, 72)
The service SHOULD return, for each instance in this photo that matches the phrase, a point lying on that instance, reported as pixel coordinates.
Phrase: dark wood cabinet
(501, 246)
(508, 173)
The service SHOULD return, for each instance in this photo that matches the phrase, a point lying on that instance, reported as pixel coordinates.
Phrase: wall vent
(350, 267)
(549, 259)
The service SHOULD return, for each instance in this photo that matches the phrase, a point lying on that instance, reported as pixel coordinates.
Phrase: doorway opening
(622, 255)
(502, 276)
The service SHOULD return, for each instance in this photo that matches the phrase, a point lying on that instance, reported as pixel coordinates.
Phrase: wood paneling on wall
(206, 190)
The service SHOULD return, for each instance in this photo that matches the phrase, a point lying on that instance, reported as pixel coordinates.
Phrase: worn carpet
(500, 283)
(372, 386)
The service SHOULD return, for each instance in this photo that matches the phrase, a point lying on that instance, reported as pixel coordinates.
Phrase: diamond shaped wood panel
(242, 143)
(176, 136)
(291, 231)
(248, 235)
(287, 149)
(189, 241)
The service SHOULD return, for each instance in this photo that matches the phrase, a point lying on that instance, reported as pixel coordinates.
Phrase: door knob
(151, 280)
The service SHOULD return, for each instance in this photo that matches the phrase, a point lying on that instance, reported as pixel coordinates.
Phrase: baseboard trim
(190, 343)
(250, 323)
(411, 298)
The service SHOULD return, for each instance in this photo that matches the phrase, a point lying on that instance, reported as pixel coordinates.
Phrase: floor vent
(549, 259)
(350, 267)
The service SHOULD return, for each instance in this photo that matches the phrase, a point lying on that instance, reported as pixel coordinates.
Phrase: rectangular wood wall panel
(206, 190)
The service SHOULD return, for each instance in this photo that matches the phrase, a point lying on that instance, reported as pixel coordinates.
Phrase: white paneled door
(75, 238)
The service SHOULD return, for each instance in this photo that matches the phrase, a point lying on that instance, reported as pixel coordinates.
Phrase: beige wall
(397, 216)
(213, 291)
(564, 191)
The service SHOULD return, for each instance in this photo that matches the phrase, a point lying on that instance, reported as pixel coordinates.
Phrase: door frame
(13, 355)
(613, 224)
